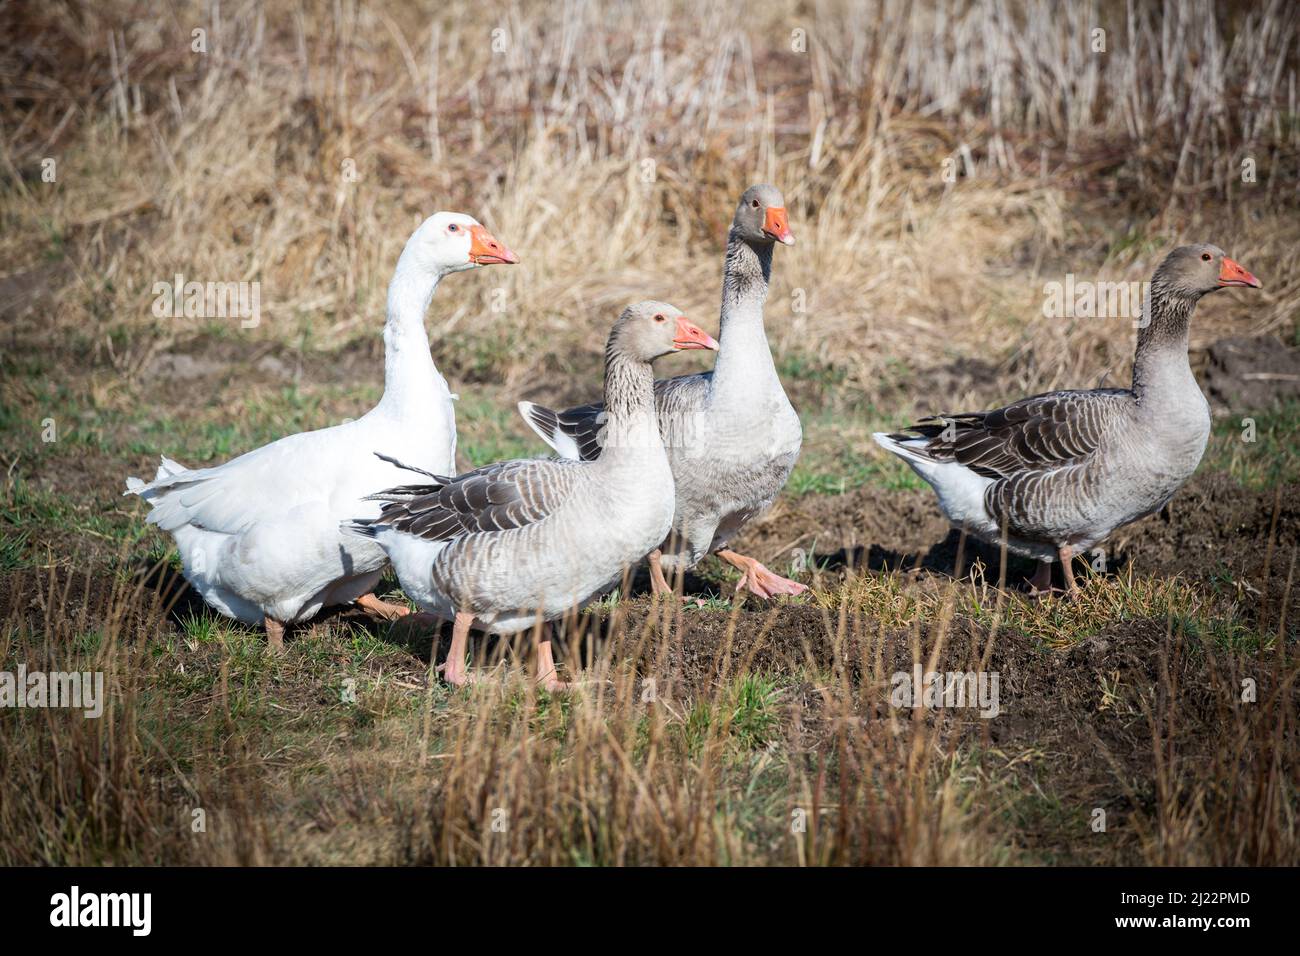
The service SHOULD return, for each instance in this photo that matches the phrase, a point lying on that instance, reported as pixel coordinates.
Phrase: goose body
(259, 536)
(1063, 468)
(732, 435)
(523, 541)
(730, 459)
(1060, 472)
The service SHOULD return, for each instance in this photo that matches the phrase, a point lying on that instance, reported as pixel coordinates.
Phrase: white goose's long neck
(410, 378)
(745, 364)
(1162, 373)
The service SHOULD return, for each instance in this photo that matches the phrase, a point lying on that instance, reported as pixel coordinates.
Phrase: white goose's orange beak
(776, 224)
(485, 250)
(691, 336)
(1233, 274)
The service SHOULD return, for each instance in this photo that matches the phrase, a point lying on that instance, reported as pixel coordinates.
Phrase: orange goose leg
(546, 663)
(658, 583)
(274, 635)
(454, 671)
(381, 609)
(1067, 556)
(758, 579)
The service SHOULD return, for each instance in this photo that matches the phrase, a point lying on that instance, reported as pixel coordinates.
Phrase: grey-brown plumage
(520, 540)
(1060, 472)
(497, 497)
(577, 432)
(732, 435)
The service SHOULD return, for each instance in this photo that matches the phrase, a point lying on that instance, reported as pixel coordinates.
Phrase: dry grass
(695, 739)
(606, 143)
(229, 165)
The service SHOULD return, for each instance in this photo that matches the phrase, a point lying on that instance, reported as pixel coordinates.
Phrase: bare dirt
(1212, 528)
(1251, 372)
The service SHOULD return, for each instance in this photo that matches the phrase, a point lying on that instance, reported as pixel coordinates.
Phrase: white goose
(259, 536)
(1057, 473)
(527, 540)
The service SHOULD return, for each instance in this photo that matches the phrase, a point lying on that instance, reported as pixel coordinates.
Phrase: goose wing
(230, 497)
(497, 497)
(572, 434)
(576, 432)
(1034, 435)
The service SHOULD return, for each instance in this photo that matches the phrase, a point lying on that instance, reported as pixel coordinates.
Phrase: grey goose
(732, 435)
(1063, 470)
(519, 543)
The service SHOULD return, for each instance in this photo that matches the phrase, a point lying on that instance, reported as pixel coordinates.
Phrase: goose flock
(665, 471)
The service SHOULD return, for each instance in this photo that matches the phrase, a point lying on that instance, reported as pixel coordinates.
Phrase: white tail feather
(561, 443)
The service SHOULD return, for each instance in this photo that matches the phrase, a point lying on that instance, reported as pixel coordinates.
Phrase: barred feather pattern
(1039, 451)
(1067, 468)
(498, 497)
(520, 539)
(731, 435)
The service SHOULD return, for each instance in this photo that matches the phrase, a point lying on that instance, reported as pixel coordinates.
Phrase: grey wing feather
(1037, 434)
(577, 432)
(497, 497)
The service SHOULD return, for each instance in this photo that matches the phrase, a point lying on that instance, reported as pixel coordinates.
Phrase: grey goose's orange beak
(485, 250)
(776, 225)
(1234, 274)
(690, 336)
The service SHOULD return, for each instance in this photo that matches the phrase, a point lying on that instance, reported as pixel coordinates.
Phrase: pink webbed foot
(758, 579)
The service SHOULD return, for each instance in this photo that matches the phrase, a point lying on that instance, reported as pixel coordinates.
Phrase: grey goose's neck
(744, 357)
(632, 425)
(409, 372)
(1161, 370)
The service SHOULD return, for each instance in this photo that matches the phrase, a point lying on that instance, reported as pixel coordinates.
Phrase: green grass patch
(492, 430)
(1260, 449)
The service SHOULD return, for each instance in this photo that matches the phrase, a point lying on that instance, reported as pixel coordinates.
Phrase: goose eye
(754, 203)
(659, 318)
(1206, 256)
(453, 227)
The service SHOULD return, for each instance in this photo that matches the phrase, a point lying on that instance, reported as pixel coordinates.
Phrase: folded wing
(576, 433)
(1034, 435)
(498, 497)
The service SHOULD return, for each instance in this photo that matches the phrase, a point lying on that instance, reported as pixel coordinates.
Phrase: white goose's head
(453, 242)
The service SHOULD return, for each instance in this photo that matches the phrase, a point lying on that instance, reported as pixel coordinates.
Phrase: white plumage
(259, 536)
